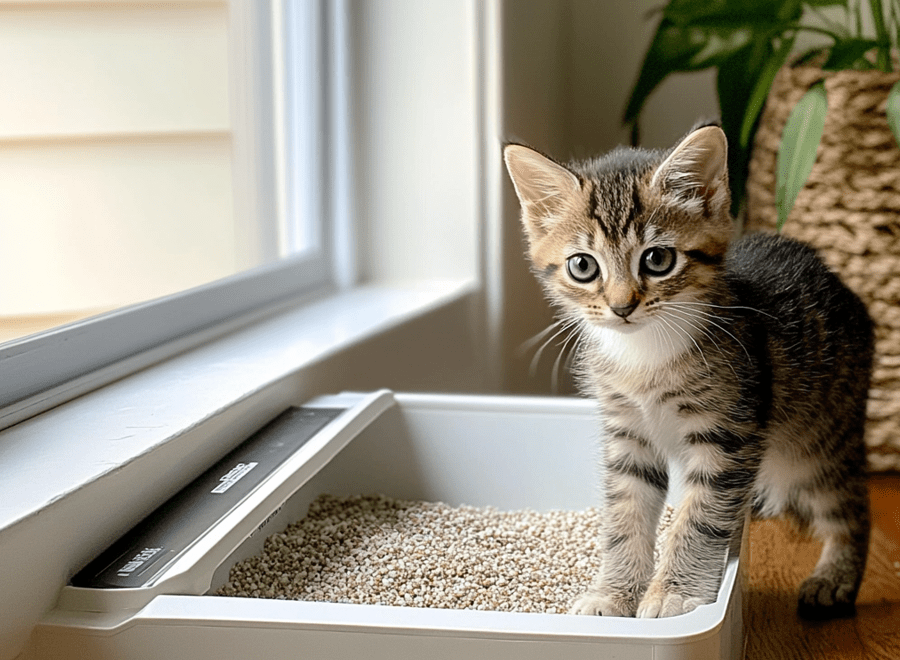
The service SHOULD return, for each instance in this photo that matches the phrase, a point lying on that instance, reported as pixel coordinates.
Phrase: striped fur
(745, 363)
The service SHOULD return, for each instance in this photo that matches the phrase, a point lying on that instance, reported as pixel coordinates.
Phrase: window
(113, 181)
(401, 116)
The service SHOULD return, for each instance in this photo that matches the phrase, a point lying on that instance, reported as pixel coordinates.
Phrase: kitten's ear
(697, 169)
(544, 188)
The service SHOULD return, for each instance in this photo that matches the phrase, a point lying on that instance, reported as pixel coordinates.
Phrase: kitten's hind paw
(596, 604)
(822, 598)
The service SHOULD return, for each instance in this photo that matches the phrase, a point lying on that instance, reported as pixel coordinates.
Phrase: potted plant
(748, 42)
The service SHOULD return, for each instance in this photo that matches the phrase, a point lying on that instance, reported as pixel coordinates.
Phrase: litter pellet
(382, 551)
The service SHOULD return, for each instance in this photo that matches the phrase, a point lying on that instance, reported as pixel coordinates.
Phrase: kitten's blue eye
(582, 268)
(658, 260)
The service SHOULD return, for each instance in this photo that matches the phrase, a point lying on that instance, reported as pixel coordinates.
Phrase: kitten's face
(615, 240)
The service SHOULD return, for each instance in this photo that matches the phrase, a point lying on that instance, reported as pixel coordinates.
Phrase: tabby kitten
(746, 365)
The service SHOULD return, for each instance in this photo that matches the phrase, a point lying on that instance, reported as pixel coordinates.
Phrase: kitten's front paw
(659, 603)
(595, 603)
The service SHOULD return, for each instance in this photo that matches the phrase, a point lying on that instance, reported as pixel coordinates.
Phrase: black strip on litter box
(144, 552)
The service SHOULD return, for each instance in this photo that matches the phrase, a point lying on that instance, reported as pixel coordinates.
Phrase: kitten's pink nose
(623, 310)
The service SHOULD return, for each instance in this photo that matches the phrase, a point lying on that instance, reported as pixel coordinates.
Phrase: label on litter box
(234, 475)
(144, 552)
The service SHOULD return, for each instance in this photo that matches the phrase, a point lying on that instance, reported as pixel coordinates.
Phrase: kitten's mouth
(624, 325)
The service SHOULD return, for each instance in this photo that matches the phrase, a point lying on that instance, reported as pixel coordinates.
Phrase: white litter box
(147, 597)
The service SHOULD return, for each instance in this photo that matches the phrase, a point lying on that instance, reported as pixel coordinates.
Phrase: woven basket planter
(850, 212)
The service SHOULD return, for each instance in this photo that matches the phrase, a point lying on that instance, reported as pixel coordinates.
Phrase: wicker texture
(850, 212)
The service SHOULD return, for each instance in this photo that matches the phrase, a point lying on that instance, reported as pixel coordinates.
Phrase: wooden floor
(780, 559)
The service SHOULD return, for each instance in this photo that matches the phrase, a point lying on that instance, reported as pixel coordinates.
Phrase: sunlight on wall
(115, 156)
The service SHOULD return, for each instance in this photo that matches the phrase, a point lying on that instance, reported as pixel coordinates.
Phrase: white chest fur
(645, 348)
(642, 361)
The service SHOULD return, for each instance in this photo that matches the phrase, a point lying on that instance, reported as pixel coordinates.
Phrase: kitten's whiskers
(664, 335)
(696, 322)
(711, 322)
(682, 304)
(565, 327)
(752, 309)
(554, 373)
(535, 339)
(576, 348)
(670, 322)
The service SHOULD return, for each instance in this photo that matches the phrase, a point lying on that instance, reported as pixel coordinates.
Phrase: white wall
(415, 136)
(608, 43)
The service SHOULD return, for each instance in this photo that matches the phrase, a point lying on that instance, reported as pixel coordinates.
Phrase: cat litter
(381, 551)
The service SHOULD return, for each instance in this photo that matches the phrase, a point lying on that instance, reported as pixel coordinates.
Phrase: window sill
(71, 446)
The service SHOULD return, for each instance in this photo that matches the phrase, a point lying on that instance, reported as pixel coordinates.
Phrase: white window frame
(50, 368)
(97, 464)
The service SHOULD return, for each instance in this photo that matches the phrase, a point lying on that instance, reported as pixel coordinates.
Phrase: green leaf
(858, 16)
(670, 51)
(893, 111)
(797, 153)
(761, 89)
(743, 13)
(825, 3)
(719, 46)
(734, 83)
(848, 53)
(698, 34)
(884, 40)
